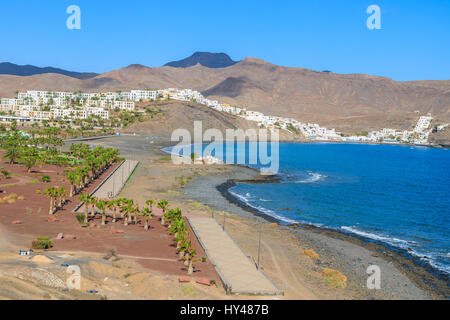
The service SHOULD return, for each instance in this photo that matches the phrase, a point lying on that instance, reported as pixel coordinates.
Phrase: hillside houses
(40, 105)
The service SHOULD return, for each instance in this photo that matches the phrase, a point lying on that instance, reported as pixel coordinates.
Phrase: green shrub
(38, 191)
(41, 243)
(45, 178)
(80, 218)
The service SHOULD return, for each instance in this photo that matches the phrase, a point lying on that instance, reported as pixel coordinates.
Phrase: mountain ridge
(252, 83)
(29, 70)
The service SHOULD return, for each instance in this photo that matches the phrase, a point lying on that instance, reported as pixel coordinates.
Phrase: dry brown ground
(151, 251)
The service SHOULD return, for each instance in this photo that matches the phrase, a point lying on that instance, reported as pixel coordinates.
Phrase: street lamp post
(259, 242)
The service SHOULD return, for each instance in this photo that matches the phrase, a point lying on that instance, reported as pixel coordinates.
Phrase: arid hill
(323, 97)
(181, 115)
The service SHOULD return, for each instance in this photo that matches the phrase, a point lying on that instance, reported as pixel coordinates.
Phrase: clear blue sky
(414, 42)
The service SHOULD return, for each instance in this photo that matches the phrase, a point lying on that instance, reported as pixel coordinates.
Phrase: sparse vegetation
(334, 278)
(41, 243)
(311, 253)
(111, 254)
(80, 218)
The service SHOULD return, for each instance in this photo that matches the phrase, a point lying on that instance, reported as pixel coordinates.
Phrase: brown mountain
(346, 101)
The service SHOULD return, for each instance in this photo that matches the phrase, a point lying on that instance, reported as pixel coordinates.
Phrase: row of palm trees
(129, 213)
(177, 227)
(58, 197)
(126, 208)
(91, 164)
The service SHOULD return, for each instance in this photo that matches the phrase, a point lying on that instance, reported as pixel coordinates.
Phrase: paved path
(239, 274)
(114, 184)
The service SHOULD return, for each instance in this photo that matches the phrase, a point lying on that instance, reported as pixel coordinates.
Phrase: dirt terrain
(26, 218)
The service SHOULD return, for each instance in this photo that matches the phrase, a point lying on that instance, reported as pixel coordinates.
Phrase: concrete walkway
(238, 273)
(112, 186)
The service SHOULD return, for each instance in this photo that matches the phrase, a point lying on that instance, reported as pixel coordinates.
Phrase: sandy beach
(202, 190)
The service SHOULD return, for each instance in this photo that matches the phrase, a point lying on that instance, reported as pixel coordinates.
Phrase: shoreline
(401, 278)
(428, 278)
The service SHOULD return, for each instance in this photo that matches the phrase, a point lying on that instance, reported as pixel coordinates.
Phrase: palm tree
(147, 213)
(127, 208)
(50, 192)
(72, 177)
(92, 202)
(181, 240)
(136, 212)
(85, 197)
(163, 204)
(62, 194)
(29, 162)
(12, 154)
(101, 205)
(191, 254)
(113, 204)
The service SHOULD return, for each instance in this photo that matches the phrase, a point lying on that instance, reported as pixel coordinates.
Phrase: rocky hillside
(441, 138)
(181, 115)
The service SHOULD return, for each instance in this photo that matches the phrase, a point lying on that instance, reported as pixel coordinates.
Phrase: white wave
(313, 177)
(429, 257)
(390, 240)
(261, 209)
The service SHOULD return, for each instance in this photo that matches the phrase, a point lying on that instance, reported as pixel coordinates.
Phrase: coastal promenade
(238, 273)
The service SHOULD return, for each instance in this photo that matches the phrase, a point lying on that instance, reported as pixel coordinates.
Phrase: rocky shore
(402, 275)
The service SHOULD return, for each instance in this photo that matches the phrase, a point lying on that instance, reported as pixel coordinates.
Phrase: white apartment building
(102, 113)
(423, 124)
(137, 95)
(124, 105)
(12, 102)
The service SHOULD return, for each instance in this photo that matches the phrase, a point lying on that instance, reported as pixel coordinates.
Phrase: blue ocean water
(398, 195)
